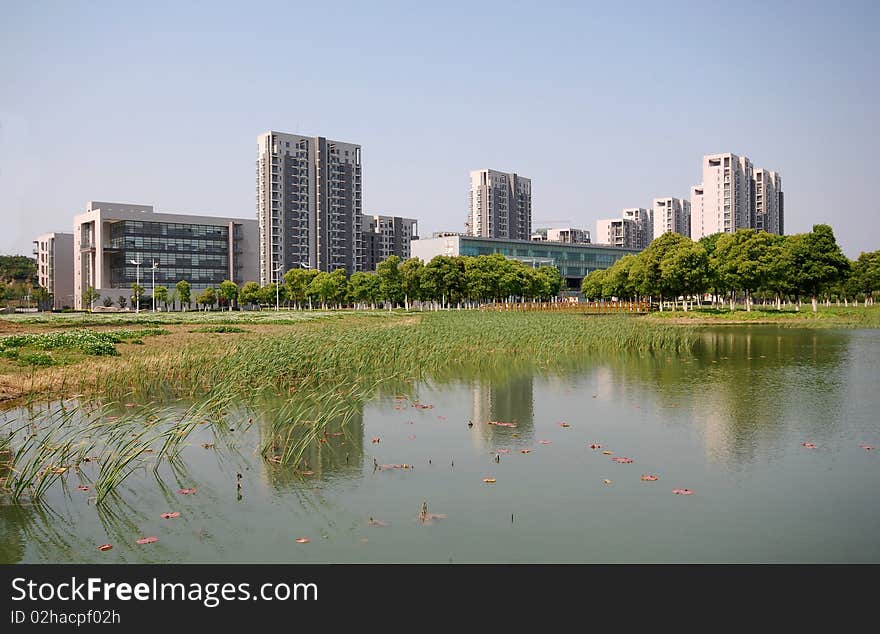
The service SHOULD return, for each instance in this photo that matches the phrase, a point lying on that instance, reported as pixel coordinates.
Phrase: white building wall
(54, 253)
(671, 214)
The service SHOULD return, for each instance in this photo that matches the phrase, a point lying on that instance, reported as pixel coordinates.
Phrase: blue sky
(603, 105)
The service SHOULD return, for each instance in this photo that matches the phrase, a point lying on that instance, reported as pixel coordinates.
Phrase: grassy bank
(305, 350)
(826, 317)
(365, 349)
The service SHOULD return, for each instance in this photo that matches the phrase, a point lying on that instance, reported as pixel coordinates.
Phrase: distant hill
(18, 268)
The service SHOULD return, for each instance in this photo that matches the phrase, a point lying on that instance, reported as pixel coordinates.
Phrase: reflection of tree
(741, 385)
(35, 525)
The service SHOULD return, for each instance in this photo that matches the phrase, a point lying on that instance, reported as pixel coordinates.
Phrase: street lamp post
(306, 266)
(277, 271)
(154, 267)
(137, 283)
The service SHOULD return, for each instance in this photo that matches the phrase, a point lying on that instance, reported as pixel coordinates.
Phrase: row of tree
(741, 265)
(445, 280)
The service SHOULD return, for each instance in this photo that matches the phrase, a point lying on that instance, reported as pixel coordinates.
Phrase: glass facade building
(193, 252)
(574, 261)
(203, 250)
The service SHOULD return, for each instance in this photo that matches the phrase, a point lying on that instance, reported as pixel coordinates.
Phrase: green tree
(553, 281)
(329, 288)
(42, 297)
(714, 280)
(779, 274)
(817, 262)
(742, 262)
(616, 281)
(866, 274)
(443, 280)
(227, 291)
(296, 282)
(390, 280)
(363, 288)
(184, 294)
(593, 284)
(685, 269)
(207, 297)
(648, 273)
(161, 295)
(249, 293)
(269, 297)
(515, 280)
(412, 271)
(90, 296)
(484, 277)
(137, 294)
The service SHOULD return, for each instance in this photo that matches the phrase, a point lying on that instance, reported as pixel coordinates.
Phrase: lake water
(728, 423)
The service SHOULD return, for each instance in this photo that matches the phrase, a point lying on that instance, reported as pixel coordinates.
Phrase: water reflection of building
(508, 399)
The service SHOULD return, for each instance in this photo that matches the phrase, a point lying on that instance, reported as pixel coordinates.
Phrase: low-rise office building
(54, 253)
(203, 250)
(574, 261)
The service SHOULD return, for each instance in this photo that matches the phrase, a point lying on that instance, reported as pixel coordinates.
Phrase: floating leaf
(608, 453)
(441, 418)
(130, 404)
(606, 481)
(307, 473)
(375, 440)
(500, 451)
(499, 423)
(208, 445)
(186, 491)
(682, 491)
(82, 488)
(147, 540)
(649, 478)
(378, 523)
(489, 480)
(428, 518)
(302, 540)
(104, 547)
(595, 446)
(546, 442)
(411, 437)
(564, 425)
(808, 445)
(170, 516)
(525, 451)
(867, 447)
(396, 466)
(622, 460)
